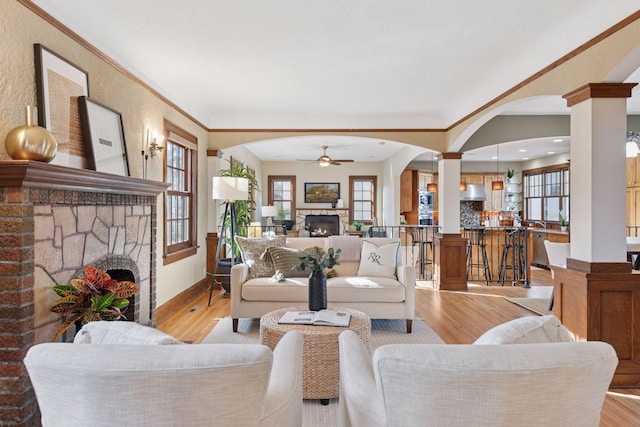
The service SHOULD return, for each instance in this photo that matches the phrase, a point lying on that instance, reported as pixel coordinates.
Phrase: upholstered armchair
(168, 385)
(550, 384)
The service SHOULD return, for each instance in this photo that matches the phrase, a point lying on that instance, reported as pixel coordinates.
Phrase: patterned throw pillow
(254, 254)
(378, 261)
(286, 260)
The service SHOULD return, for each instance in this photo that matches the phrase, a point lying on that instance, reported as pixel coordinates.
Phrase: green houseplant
(96, 296)
(511, 173)
(244, 208)
(358, 225)
(317, 279)
(244, 211)
(564, 220)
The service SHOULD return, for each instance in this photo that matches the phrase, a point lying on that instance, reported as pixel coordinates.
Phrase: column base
(450, 262)
(599, 301)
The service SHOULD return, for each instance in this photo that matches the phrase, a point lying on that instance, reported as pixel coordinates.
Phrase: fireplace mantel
(55, 220)
(32, 174)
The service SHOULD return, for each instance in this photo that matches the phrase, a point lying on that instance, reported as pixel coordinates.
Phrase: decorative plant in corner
(244, 208)
(511, 173)
(96, 296)
(317, 279)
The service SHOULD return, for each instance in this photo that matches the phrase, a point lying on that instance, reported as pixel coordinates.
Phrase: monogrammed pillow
(254, 254)
(378, 261)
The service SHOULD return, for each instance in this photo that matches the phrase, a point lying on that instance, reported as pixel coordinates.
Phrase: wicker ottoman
(320, 364)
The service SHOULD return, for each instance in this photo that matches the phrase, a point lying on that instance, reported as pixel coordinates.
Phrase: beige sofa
(379, 297)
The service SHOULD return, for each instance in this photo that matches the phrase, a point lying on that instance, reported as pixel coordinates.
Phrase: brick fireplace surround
(55, 220)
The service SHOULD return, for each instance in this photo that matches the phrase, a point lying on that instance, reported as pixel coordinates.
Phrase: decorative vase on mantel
(317, 290)
(30, 141)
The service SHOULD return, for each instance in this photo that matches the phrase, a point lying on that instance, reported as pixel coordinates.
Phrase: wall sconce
(149, 148)
(153, 144)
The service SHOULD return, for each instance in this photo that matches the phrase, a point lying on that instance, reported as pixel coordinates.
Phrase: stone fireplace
(55, 220)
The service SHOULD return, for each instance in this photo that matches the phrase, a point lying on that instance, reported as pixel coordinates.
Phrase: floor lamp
(229, 189)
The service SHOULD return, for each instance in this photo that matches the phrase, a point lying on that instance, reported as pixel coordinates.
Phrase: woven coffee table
(320, 355)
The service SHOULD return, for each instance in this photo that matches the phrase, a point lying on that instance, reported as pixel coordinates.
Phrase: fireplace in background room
(322, 225)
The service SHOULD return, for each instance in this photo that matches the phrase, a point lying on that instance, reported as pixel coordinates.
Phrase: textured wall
(20, 29)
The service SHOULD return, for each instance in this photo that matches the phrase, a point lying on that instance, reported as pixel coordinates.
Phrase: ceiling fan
(325, 161)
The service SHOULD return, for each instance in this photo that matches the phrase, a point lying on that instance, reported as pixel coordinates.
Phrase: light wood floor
(457, 317)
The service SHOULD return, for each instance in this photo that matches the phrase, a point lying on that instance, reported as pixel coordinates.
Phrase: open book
(319, 318)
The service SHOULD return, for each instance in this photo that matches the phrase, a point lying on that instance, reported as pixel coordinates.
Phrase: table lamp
(269, 212)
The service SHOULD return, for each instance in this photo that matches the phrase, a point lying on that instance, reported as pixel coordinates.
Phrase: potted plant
(564, 221)
(96, 296)
(358, 225)
(510, 174)
(317, 279)
(244, 210)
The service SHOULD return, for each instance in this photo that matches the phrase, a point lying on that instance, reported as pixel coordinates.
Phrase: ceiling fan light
(323, 163)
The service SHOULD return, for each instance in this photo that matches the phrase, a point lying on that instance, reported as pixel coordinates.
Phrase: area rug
(382, 332)
(537, 305)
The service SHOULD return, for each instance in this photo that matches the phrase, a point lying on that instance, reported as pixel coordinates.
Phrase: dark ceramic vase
(317, 290)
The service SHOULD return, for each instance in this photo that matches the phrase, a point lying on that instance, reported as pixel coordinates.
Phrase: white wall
(311, 172)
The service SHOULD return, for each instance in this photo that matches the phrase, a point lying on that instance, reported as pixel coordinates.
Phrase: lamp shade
(269, 211)
(432, 187)
(229, 188)
(497, 185)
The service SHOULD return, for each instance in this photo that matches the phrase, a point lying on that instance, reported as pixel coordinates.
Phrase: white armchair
(550, 384)
(168, 385)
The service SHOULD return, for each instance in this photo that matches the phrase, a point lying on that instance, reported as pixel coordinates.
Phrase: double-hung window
(362, 192)
(546, 193)
(282, 195)
(180, 236)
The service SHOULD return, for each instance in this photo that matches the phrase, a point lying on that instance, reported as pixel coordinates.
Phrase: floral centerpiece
(96, 296)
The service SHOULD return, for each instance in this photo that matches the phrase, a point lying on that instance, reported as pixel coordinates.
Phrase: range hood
(475, 192)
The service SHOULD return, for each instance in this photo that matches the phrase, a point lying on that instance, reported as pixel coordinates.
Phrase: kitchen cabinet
(472, 179)
(633, 171)
(633, 206)
(409, 195)
(538, 251)
(495, 198)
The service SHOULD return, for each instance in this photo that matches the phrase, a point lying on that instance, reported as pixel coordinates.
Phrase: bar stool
(513, 250)
(419, 236)
(477, 245)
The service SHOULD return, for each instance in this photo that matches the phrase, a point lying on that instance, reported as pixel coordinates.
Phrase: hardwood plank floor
(457, 317)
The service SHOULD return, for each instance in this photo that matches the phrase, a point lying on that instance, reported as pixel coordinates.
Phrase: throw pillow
(286, 260)
(527, 330)
(378, 261)
(121, 332)
(254, 254)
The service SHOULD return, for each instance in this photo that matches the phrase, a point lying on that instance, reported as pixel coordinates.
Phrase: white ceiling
(357, 64)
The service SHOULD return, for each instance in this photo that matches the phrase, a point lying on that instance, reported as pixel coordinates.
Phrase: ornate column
(451, 255)
(597, 297)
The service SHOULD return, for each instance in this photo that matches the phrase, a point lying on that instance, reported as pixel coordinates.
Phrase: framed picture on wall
(59, 83)
(103, 136)
(326, 192)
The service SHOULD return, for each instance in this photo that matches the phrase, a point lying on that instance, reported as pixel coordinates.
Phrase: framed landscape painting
(321, 192)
